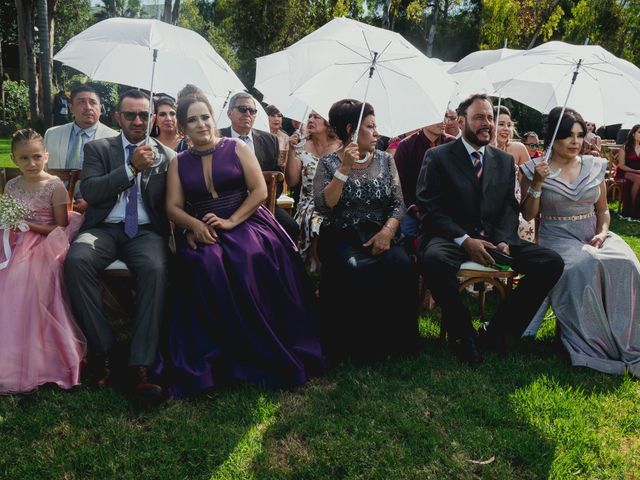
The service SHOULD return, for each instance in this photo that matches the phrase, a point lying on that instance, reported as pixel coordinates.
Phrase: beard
(472, 138)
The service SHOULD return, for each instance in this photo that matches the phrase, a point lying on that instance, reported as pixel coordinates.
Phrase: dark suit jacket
(104, 177)
(453, 202)
(265, 145)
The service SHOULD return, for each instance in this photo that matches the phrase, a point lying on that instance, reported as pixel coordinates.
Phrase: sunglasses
(131, 116)
(245, 109)
(171, 113)
(534, 145)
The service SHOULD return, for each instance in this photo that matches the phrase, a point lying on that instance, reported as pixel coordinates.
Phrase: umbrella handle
(547, 154)
(226, 100)
(153, 74)
(364, 101)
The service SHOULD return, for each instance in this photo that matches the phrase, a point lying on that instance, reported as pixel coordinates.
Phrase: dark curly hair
(344, 114)
(569, 118)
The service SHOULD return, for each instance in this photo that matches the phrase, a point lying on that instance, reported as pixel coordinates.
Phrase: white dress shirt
(249, 141)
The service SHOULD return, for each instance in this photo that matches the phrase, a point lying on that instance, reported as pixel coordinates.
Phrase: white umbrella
(480, 59)
(272, 80)
(349, 59)
(602, 87)
(121, 50)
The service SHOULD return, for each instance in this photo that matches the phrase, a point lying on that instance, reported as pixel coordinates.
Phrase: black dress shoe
(98, 372)
(492, 342)
(142, 386)
(466, 349)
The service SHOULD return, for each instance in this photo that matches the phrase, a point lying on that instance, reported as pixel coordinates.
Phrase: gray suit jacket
(104, 177)
(56, 141)
(453, 202)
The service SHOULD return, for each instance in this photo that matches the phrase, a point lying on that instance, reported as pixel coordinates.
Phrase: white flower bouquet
(13, 213)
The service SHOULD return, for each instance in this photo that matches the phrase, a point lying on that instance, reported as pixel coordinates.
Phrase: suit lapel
(258, 146)
(64, 145)
(116, 152)
(488, 169)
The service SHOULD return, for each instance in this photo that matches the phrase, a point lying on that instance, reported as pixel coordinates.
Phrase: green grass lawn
(528, 416)
(5, 151)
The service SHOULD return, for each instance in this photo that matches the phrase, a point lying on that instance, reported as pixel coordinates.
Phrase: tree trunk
(385, 14)
(176, 12)
(27, 55)
(432, 29)
(4, 113)
(45, 60)
(166, 16)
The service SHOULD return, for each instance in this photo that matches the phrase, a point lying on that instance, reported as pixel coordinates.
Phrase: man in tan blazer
(65, 143)
(62, 141)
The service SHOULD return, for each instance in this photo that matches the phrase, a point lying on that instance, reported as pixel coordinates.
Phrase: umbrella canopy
(336, 62)
(606, 90)
(272, 80)
(482, 58)
(120, 50)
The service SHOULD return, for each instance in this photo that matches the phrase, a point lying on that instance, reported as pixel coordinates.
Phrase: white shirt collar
(91, 131)
(471, 149)
(126, 143)
(235, 134)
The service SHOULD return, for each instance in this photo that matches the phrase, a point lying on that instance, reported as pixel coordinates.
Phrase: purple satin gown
(243, 309)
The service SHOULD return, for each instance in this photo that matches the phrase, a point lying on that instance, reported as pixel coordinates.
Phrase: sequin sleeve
(324, 173)
(396, 200)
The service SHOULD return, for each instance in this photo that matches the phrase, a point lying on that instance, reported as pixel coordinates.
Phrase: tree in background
(171, 14)
(520, 22)
(120, 8)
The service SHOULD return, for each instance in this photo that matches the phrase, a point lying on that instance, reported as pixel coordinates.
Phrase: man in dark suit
(124, 183)
(242, 113)
(465, 194)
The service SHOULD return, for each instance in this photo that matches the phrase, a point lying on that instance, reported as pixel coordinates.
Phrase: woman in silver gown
(596, 300)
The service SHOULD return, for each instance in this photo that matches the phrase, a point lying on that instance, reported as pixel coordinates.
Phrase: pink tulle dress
(39, 339)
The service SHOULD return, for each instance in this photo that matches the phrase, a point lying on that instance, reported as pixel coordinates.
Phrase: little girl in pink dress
(39, 339)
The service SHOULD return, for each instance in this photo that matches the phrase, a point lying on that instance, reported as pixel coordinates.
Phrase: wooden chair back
(7, 174)
(70, 176)
(272, 178)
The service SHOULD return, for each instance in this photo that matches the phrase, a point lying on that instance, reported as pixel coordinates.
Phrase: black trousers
(288, 223)
(440, 260)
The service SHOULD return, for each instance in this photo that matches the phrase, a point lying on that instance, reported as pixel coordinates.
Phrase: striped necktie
(477, 163)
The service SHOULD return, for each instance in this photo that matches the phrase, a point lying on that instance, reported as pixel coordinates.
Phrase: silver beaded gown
(597, 299)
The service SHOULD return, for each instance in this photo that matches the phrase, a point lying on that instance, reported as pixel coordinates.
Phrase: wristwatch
(341, 176)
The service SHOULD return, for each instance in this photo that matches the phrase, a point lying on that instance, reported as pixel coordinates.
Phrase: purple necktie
(477, 163)
(131, 210)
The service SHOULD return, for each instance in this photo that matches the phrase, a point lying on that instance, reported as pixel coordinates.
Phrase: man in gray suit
(124, 184)
(242, 113)
(65, 143)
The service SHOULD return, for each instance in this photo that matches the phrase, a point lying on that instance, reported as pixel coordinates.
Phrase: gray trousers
(146, 256)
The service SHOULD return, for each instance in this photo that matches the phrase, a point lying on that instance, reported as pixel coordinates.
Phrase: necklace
(363, 160)
(204, 153)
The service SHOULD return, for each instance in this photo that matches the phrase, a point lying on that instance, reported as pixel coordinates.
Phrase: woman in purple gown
(242, 309)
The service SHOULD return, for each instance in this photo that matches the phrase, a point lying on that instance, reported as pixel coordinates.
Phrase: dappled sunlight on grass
(589, 424)
(240, 460)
